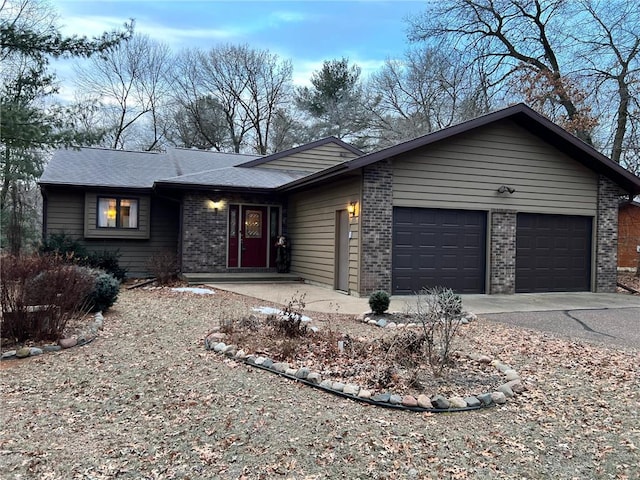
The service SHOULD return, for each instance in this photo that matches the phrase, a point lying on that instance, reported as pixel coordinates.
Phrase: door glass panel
(253, 224)
(233, 220)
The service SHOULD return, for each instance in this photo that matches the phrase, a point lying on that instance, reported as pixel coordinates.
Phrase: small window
(117, 213)
(253, 224)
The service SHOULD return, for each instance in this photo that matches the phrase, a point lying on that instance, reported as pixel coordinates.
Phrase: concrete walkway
(321, 299)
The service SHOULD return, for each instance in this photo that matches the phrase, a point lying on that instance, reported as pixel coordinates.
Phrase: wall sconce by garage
(506, 189)
(214, 205)
(352, 208)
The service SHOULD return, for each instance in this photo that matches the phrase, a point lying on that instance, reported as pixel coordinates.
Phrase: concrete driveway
(609, 318)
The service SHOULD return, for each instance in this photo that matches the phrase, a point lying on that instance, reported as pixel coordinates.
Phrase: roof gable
(296, 153)
(522, 115)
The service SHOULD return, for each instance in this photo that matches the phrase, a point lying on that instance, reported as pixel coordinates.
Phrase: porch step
(198, 278)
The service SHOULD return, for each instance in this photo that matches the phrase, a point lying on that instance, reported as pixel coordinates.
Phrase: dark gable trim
(523, 116)
(209, 188)
(45, 187)
(302, 148)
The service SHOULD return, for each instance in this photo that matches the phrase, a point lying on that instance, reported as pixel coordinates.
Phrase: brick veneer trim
(376, 227)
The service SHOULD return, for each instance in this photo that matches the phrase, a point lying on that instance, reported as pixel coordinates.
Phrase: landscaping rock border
(465, 319)
(436, 404)
(86, 335)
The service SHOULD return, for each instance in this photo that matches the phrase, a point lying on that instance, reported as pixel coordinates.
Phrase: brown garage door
(434, 247)
(553, 253)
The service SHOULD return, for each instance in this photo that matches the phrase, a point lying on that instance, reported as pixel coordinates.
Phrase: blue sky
(307, 32)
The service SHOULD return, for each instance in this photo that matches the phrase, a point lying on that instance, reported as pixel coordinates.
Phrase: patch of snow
(199, 291)
(275, 311)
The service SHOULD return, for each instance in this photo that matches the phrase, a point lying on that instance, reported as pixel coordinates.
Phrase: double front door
(253, 232)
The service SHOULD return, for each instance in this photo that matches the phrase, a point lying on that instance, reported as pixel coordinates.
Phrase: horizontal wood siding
(65, 214)
(91, 229)
(465, 172)
(311, 222)
(312, 160)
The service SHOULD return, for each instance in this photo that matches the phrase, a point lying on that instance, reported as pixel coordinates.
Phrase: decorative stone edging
(382, 323)
(87, 335)
(437, 404)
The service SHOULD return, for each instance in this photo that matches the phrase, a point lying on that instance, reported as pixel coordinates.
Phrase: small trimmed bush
(379, 302)
(104, 293)
(107, 261)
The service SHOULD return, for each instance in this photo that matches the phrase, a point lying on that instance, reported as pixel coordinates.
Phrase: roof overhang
(101, 188)
(210, 188)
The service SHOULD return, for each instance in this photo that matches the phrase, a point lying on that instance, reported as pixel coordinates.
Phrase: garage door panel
(553, 253)
(440, 247)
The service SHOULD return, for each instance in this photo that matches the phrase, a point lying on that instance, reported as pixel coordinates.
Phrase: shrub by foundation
(39, 294)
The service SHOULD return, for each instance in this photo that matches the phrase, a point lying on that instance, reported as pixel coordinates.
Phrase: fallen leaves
(146, 401)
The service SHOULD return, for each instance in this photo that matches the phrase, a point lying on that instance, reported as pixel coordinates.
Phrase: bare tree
(251, 85)
(577, 62)
(612, 62)
(515, 39)
(198, 118)
(425, 91)
(200, 123)
(243, 87)
(131, 85)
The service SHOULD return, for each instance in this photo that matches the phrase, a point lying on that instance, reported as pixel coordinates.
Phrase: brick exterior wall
(204, 235)
(607, 235)
(502, 265)
(204, 232)
(628, 236)
(376, 227)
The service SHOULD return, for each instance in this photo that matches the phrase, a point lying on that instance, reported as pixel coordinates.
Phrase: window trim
(118, 199)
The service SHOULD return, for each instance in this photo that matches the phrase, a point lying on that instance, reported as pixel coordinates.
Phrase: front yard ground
(146, 400)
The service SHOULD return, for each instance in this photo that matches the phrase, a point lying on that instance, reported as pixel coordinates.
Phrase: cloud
(92, 26)
(289, 16)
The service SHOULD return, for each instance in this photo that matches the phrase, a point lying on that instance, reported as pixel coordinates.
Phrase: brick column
(502, 274)
(376, 227)
(607, 235)
(204, 235)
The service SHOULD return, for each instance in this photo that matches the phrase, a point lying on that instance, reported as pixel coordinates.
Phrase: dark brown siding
(65, 214)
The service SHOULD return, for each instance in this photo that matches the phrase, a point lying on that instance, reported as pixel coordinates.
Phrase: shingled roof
(235, 177)
(99, 167)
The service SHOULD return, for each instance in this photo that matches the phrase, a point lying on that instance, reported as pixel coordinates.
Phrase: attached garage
(438, 247)
(553, 253)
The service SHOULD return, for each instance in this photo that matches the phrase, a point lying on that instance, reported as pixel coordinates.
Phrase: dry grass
(145, 400)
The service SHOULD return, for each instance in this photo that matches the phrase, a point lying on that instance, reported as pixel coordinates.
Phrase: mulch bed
(146, 400)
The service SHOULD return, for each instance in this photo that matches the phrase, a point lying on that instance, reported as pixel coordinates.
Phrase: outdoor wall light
(214, 205)
(352, 209)
(506, 189)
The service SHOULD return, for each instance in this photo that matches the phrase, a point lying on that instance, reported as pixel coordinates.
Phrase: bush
(164, 266)
(379, 302)
(39, 294)
(289, 322)
(438, 312)
(74, 252)
(107, 261)
(64, 246)
(105, 291)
